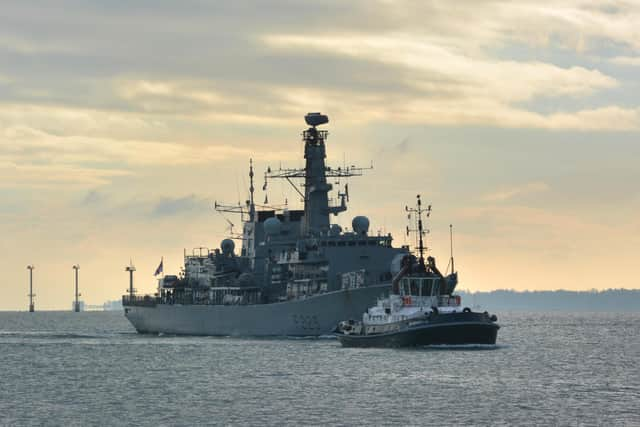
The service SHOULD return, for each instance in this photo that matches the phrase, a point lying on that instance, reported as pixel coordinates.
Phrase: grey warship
(296, 274)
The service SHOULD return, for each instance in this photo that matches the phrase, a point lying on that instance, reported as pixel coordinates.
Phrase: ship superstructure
(295, 273)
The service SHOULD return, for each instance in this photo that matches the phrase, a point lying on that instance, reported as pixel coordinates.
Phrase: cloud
(108, 205)
(537, 226)
(25, 46)
(181, 205)
(204, 63)
(93, 197)
(626, 60)
(73, 147)
(17, 120)
(116, 122)
(45, 176)
(453, 88)
(416, 108)
(605, 118)
(510, 193)
(445, 72)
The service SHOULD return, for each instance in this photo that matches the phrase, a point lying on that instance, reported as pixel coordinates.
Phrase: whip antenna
(451, 246)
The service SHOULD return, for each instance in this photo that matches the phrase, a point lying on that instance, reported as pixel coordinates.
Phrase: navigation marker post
(30, 267)
(76, 305)
(131, 268)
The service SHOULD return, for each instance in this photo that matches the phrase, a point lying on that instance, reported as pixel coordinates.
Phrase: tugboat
(422, 308)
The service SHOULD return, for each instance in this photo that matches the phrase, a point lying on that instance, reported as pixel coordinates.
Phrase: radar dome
(335, 230)
(360, 224)
(227, 246)
(272, 226)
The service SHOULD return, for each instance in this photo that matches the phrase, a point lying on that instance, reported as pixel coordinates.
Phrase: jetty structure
(296, 273)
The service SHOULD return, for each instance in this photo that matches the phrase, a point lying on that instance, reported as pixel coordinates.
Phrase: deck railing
(217, 296)
(142, 301)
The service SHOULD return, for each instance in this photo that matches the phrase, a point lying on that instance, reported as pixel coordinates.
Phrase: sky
(122, 122)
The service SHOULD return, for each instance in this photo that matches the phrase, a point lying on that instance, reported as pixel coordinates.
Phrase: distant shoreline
(608, 300)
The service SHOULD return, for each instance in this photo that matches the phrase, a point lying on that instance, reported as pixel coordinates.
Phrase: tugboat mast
(419, 210)
(420, 231)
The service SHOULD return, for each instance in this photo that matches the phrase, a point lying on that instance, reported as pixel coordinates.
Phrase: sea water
(59, 368)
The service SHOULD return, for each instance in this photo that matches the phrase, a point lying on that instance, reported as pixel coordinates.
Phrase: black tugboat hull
(441, 333)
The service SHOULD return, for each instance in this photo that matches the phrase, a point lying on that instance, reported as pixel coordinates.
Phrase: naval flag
(159, 269)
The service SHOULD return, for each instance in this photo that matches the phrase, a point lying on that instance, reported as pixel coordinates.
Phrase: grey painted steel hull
(312, 316)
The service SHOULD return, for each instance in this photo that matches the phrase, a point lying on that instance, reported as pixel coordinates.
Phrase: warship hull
(312, 316)
(457, 332)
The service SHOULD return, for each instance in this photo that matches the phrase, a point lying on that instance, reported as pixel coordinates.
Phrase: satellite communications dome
(360, 224)
(227, 246)
(335, 230)
(272, 226)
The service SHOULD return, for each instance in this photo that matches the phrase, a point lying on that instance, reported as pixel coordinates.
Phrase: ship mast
(252, 206)
(249, 207)
(315, 174)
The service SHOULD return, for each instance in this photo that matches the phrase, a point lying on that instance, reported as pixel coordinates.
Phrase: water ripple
(93, 369)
